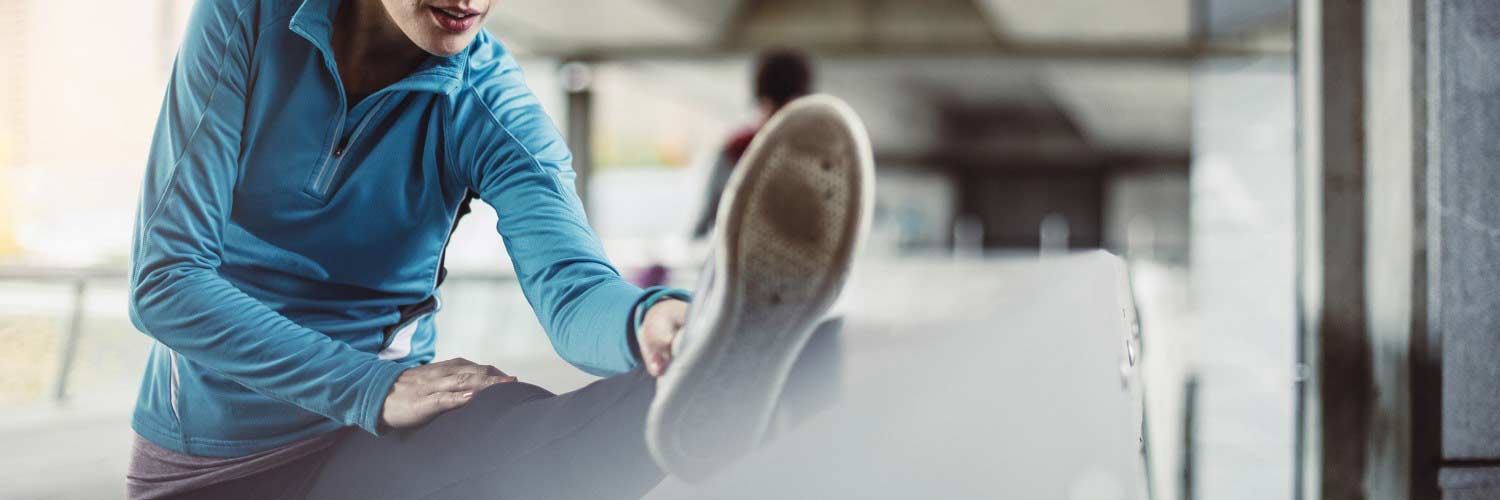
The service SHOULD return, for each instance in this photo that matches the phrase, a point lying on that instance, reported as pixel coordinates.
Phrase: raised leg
(515, 440)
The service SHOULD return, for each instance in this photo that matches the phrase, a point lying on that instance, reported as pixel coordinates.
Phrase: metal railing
(79, 280)
(72, 328)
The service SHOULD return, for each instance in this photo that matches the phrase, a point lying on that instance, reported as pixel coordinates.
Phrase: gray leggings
(517, 440)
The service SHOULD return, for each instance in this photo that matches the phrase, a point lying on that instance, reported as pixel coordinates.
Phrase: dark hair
(782, 75)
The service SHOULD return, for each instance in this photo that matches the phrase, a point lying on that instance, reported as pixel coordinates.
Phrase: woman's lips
(454, 20)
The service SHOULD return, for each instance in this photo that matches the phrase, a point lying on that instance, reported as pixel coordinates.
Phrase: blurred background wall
(1161, 130)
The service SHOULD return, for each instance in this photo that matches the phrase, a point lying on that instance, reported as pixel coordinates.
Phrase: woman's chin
(445, 45)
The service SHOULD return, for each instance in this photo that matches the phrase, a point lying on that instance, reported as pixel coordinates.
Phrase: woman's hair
(782, 75)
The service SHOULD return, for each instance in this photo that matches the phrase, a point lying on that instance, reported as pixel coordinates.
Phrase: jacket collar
(314, 21)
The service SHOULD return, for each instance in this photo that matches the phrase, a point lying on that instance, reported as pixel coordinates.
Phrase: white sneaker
(788, 227)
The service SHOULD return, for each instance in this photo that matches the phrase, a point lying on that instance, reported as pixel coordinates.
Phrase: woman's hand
(658, 329)
(423, 392)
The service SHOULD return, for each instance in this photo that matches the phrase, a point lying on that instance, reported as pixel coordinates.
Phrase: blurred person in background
(308, 164)
(781, 76)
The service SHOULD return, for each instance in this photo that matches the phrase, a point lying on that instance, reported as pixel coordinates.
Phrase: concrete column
(1338, 390)
(578, 83)
(1463, 63)
(1401, 248)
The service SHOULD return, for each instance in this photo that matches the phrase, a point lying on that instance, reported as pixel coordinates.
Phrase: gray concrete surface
(64, 453)
(965, 379)
(1465, 314)
(1468, 115)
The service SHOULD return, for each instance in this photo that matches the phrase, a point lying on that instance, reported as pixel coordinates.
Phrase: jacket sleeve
(177, 295)
(510, 153)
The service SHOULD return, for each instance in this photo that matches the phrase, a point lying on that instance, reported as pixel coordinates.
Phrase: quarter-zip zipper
(324, 181)
(327, 171)
(333, 149)
(343, 113)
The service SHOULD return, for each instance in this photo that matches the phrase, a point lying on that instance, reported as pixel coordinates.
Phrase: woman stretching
(307, 167)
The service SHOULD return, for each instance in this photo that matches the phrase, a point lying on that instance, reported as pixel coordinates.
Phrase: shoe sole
(791, 219)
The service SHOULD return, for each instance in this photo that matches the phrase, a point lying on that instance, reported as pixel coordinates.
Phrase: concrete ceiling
(545, 25)
(1092, 20)
(1083, 58)
(657, 23)
(862, 23)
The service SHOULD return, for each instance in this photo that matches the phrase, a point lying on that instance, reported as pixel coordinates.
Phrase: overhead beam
(1144, 52)
(719, 14)
(896, 22)
(1024, 160)
(1233, 18)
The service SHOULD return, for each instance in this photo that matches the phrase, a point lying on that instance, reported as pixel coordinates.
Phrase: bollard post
(72, 329)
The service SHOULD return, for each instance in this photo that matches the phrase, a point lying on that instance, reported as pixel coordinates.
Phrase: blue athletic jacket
(288, 243)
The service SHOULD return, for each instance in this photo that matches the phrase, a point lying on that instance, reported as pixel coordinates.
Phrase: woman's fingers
(650, 348)
(458, 375)
(421, 393)
(658, 364)
(663, 355)
(470, 380)
(653, 364)
(661, 327)
(444, 401)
